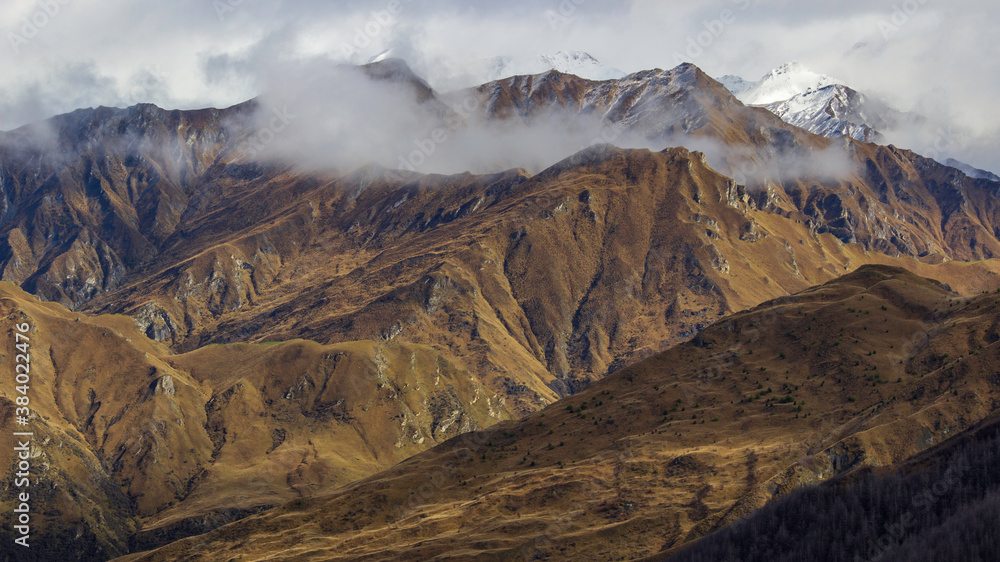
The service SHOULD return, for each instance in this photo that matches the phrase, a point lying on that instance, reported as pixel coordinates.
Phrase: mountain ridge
(460, 300)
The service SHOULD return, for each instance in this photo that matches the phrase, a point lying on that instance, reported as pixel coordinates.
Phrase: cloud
(67, 87)
(916, 53)
(778, 163)
(321, 114)
(318, 113)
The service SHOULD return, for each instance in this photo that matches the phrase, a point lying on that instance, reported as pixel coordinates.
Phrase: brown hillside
(547, 281)
(867, 370)
(130, 436)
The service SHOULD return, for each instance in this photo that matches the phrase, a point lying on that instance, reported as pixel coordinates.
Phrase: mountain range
(673, 447)
(616, 354)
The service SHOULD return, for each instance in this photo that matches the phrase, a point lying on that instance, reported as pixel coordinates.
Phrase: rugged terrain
(129, 435)
(202, 245)
(361, 316)
(865, 371)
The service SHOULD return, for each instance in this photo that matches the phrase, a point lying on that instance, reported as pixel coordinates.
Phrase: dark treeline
(942, 505)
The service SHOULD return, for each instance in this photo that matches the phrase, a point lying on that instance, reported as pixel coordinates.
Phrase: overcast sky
(936, 57)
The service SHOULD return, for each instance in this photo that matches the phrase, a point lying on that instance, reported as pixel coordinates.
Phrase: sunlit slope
(867, 370)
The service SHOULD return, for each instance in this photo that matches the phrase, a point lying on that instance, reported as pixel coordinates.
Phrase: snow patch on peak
(835, 110)
(794, 67)
(686, 74)
(562, 58)
(784, 82)
(581, 64)
(817, 103)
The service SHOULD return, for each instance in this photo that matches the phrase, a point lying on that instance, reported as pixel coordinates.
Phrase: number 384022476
(22, 367)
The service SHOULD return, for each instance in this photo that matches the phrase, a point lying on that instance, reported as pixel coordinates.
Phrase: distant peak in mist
(577, 63)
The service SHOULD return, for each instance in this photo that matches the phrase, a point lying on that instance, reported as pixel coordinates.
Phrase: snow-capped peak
(582, 65)
(816, 102)
(835, 110)
(784, 82)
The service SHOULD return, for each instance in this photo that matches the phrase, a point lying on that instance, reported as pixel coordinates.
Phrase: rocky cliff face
(93, 195)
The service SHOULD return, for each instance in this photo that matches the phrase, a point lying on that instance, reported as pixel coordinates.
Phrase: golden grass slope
(539, 284)
(866, 370)
(129, 436)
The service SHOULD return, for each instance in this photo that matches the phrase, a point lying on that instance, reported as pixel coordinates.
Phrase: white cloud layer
(931, 56)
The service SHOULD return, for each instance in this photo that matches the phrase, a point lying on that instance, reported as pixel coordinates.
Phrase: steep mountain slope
(682, 106)
(837, 110)
(93, 196)
(795, 169)
(867, 370)
(653, 105)
(822, 105)
(453, 301)
(481, 267)
(130, 438)
(970, 171)
(449, 313)
(735, 84)
(532, 286)
(90, 195)
(546, 281)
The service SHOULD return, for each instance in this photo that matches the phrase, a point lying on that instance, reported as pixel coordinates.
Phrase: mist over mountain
(387, 115)
(825, 106)
(393, 281)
